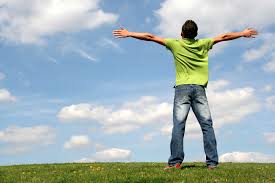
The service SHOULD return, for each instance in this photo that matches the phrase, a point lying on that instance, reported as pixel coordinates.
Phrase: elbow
(225, 37)
(149, 36)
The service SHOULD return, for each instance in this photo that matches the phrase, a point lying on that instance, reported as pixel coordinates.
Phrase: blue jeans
(185, 96)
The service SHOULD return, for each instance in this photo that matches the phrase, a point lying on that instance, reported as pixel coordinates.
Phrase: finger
(252, 36)
(254, 33)
(117, 32)
(118, 35)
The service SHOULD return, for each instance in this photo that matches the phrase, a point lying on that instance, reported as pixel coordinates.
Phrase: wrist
(130, 34)
(243, 34)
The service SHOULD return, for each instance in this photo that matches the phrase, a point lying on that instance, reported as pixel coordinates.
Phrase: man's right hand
(121, 33)
(250, 33)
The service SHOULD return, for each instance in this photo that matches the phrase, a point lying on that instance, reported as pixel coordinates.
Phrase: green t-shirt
(191, 59)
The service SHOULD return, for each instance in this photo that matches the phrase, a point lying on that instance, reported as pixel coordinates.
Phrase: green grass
(136, 172)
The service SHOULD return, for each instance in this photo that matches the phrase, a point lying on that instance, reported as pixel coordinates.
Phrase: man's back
(191, 59)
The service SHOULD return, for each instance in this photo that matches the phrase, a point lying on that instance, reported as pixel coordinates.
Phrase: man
(191, 62)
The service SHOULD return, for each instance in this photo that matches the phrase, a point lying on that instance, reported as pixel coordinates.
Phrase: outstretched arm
(249, 33)
(124, 33)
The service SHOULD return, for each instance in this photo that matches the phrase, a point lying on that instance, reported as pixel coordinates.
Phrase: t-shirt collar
(188, 39)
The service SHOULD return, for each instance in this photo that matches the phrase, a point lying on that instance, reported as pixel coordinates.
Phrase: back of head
(189, 29)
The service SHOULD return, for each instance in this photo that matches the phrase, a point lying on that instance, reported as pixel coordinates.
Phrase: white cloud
(81, 50)
(254, 157)
(270, 101)
(125, 118)
(77, 141)
(218, 85)
(31, 21)
(227, 106)
(255, 54)
(192, 128)
(28, 135)
(99, 147)
(2, 76)
(231, 105)
(5, 96)
(270, 137)
(109, 155)
(263, 51)
(123, 128)
(267, 88)
(83, 111)
(85, 55)
(270, 66)
(166, 129)
(22, 139)
(13, 150)
(173, 13)
(53, 60)
(109, 43)
(149, 136)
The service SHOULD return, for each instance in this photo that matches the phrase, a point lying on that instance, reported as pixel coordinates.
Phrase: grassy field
(136, 172)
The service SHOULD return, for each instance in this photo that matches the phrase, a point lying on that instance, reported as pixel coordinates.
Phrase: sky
(71, 92)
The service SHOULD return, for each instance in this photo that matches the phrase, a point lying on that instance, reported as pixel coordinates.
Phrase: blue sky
(70, 91)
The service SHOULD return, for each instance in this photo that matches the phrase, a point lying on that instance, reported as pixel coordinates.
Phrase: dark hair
(189, 29)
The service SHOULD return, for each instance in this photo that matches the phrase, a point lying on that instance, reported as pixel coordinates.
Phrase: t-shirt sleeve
(208, 42)
(169, 43)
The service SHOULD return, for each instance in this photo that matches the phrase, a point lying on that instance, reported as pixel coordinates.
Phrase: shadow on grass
(193, 166)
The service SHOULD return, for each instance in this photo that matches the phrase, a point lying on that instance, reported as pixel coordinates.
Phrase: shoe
(176, 166)
(211, 167)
